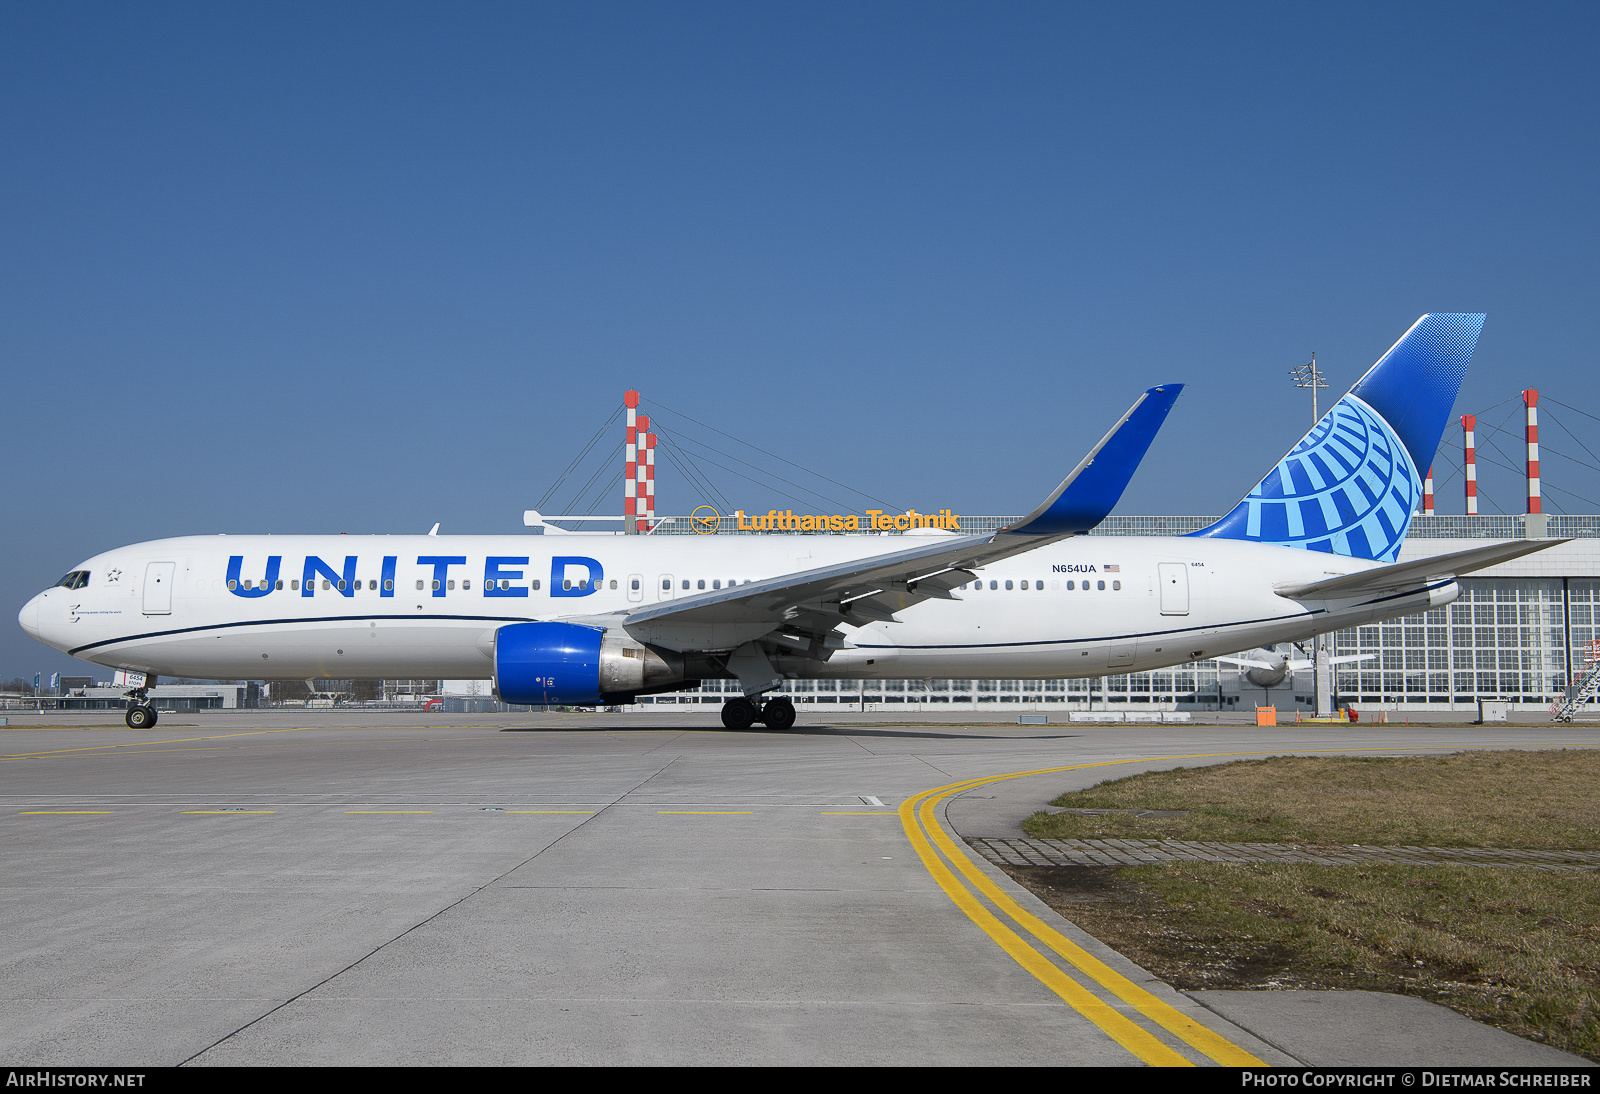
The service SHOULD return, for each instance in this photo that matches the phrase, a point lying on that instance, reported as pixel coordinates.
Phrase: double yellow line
(919, 816)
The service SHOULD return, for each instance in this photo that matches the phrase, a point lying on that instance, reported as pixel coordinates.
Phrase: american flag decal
(1112, 569)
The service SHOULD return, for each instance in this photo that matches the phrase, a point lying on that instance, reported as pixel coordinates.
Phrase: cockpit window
(77, 579)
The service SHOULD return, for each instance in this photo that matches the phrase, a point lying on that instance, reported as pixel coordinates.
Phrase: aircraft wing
(1423, 571)
(814, 602)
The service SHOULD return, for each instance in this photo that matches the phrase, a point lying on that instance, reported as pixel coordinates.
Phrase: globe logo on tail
(1348, 488)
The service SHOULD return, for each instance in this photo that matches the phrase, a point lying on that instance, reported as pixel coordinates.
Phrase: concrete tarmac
(265, 888)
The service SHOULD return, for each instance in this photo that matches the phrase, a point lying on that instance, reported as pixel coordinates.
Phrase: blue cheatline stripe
(1162, 634)
(523, 619)
(309, 619)
(960, 646)
(1104, 637)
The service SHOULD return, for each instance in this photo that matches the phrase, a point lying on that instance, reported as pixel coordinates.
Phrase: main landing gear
(740, 714)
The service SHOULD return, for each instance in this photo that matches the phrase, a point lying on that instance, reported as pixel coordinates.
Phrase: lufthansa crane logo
(705, 520)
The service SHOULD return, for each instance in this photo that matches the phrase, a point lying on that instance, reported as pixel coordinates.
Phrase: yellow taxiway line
(920, 819)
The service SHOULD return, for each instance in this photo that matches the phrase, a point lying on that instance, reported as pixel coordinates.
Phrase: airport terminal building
(1518, 633)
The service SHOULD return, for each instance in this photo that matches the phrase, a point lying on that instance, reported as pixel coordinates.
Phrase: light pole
(1309, 375)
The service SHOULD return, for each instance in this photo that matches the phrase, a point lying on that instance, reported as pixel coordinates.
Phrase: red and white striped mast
(649, 480)
(1530, 400)
(643, 488)
(1427, 494)
(630, 484)
(1469, 427)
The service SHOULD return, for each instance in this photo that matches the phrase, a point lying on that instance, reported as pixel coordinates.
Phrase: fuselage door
(664, 585)
(1122, 652)
(1174, 578)
(158, 588)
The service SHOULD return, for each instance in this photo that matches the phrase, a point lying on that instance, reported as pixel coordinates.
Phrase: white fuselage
(419, 606)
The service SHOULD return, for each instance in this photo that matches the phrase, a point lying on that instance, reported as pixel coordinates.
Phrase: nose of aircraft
(29, 616)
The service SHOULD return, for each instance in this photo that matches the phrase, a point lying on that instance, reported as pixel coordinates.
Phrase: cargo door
(1174, 578)
(158, 588)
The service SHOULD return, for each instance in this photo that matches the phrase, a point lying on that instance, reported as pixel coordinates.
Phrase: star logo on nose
(112, 576)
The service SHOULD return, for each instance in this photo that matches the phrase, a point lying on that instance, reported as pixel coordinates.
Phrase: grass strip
(1516, 948)
(1531, 799)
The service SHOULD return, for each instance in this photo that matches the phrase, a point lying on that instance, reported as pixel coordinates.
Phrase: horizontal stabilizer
(1247, 663)
(1086, 496)
(1423, 571)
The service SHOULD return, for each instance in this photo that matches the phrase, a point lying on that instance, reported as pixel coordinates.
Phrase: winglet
(1095, 486)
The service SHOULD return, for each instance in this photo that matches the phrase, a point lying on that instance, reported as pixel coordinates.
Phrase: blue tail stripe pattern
(1351, 486)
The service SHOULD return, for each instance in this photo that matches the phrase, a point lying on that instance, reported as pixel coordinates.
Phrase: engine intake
(544, 664)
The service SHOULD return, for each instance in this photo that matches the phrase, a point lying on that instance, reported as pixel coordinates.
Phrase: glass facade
(1583, 602)
(1197, 685)
(1502, 639)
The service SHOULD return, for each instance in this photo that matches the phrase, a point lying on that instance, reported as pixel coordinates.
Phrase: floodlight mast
(1309, 375)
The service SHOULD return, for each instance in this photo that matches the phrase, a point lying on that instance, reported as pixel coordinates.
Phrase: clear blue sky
(350, 267)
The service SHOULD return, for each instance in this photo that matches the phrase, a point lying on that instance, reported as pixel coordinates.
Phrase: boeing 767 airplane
(604, 618)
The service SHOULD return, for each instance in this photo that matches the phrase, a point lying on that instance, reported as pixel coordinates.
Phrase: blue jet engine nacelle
(569, 664)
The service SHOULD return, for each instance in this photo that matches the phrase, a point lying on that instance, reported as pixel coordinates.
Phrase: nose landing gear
(141, 712)
(741, 714)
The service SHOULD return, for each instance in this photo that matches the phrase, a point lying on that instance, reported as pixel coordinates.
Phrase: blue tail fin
(1352, 485)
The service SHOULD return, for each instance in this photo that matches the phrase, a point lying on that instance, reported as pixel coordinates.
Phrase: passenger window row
(697, 584)
(423, 585)
(1116, 586)
(79, 578)
(388, 585)
(82, 577)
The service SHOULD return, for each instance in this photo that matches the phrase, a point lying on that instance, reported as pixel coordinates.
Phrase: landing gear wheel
(738, 714)
(778, 714)
(140, 717)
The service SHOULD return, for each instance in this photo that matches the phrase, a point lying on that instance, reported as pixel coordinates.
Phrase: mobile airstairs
(1584, 688)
